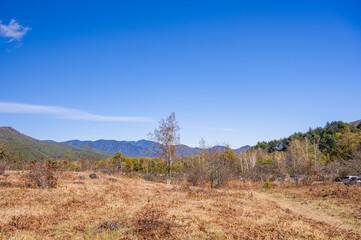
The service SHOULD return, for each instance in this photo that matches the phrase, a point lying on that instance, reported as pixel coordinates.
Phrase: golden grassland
(117, 207)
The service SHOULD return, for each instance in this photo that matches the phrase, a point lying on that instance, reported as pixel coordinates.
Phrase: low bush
(267, 185)
(148, 176)
(151, 223)
(41, 175)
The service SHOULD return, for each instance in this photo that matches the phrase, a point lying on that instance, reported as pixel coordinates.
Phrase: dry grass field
(116, 207)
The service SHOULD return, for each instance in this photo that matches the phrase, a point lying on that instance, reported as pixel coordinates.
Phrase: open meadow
(118, 207)
(180, 120)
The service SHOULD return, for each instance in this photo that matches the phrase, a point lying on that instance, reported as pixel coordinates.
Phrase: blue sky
(233, 72)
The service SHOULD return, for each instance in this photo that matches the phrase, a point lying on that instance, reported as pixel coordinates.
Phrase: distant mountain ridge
(31, 148)
(141, 148)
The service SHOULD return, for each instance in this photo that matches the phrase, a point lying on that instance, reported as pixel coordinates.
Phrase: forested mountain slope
(29, 148)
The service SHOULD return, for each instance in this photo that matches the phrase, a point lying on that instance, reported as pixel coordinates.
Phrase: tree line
(329, 152)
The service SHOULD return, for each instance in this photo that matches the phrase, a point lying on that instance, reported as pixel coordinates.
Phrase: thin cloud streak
(13, 30)
(66, 113)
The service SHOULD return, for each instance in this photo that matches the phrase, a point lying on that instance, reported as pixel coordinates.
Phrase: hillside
(356, 123)
(31, 148)
(141, 148)
(333, 140)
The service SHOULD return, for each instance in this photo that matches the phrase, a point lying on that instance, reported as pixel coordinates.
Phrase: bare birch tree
(166, 141)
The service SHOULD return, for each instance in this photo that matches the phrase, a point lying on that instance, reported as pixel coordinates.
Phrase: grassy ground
(115, 207)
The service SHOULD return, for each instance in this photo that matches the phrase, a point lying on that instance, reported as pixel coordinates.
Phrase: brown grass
(122, 208)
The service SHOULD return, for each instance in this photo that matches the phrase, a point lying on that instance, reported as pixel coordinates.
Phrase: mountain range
(141, 148)
(30, 148)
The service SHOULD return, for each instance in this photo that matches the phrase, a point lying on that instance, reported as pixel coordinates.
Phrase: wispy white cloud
(13, 30)
(66, 113)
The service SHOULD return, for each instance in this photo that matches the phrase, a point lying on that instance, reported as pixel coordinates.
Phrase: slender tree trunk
(132, 168)
(241, 162)
(314, 149)
(169, 174)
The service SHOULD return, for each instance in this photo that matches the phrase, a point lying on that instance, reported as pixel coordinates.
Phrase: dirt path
(307, 211)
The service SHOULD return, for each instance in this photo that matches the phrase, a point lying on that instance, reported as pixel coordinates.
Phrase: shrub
(148, 176)
(41, 175)
(151, 223)
(267, 185)
(196, 176)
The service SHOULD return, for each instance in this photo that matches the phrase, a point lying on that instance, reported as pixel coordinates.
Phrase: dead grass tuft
(151, 223)
(352, 193)
(73, 204)
(110, 226)
(23, 222)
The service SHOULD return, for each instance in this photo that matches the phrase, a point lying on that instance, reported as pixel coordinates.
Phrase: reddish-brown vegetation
(122, 208)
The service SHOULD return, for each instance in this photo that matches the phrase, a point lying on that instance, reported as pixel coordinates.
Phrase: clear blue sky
(234, 72)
